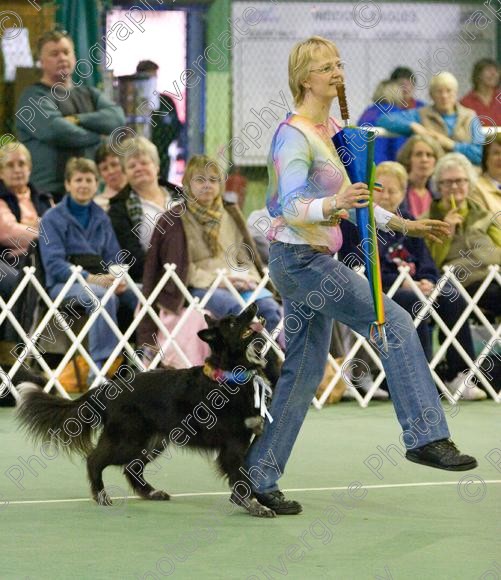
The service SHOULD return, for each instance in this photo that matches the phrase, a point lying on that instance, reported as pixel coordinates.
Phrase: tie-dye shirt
(303, 168)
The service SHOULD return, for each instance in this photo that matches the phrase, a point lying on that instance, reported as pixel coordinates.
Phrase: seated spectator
(419, 156)
(387, 98)
(80, 233)
(201, 236)
(484, 99)
(403, 76)
(21, 206)
(57, 120)
(111, 172)
(487, 192)
(455, 127)
(476, 240)
(396, 249)
(136, 208)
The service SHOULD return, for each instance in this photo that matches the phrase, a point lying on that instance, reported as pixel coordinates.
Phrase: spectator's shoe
(470, 392)
(276, 501)
(442, 454)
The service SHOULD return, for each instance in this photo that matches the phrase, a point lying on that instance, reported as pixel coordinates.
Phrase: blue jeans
(222, 303)
(102, 339)
(317, 289)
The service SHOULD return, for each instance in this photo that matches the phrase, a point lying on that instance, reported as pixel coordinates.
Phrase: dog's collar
(262, 389)
(230, 377)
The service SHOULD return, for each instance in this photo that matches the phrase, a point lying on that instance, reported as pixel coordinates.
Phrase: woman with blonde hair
(454, 126)
(135, 209)
(308, 188)
(201, 235)
(21, 207)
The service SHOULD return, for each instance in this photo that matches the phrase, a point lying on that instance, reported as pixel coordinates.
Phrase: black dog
(209, 408)
(22, 375)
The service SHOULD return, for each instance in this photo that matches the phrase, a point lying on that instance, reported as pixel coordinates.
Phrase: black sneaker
(442, 454)
(275, 500)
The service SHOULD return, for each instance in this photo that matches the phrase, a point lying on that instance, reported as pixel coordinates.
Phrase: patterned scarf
(209, 217)
(134, 208)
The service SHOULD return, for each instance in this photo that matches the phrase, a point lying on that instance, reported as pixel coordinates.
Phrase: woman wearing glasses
(202, 235)
(476, 236)
(308, 186)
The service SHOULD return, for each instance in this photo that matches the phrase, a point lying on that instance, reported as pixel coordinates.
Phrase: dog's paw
(158, 495)
(103, 499)
(258, 510)
(256, 424)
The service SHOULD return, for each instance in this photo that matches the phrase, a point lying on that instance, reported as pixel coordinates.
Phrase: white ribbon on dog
(261, 390)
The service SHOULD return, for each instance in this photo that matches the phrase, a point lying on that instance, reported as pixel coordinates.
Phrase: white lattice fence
(32, 345)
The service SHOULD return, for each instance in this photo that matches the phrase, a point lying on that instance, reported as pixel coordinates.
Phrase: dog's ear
(249, 312)
(209, 320)
(208, 334)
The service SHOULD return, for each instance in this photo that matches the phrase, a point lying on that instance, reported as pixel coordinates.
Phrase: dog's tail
(67, 424)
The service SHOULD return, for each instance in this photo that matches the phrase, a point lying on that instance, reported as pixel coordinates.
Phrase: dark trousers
(490, 302)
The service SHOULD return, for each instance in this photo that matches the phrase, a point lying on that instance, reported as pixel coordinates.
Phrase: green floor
(404, 528)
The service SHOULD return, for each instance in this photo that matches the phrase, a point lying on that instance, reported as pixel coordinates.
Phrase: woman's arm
(432, 230)
(53, 254)
(11, 229)
(401, 122)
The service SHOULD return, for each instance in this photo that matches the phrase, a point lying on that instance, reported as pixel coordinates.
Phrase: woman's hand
(356, 195)
(446, 142)
(242, 283)
(106, 280)
(419, 129)
(453, 218)
(432, 230)
(426, 287)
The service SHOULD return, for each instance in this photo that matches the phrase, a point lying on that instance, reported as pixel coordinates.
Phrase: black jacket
(123, 225)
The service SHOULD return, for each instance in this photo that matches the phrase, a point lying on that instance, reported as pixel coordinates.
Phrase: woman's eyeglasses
(328, 68)
(450, 182)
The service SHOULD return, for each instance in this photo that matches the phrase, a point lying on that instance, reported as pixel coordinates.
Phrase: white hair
(453, 160)
(443, 79)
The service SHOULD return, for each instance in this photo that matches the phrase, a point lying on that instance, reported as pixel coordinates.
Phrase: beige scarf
(209, 217)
